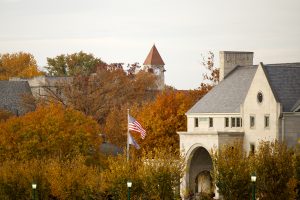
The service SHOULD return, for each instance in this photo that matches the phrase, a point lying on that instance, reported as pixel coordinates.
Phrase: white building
(251, 103)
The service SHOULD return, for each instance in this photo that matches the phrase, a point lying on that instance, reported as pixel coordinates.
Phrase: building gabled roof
(229, 94)
(284, 80)
(154, 57)
(11, 96)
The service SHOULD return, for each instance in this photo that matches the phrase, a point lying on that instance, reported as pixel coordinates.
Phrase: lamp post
(33, 189)
(253, 180)
(129, 184)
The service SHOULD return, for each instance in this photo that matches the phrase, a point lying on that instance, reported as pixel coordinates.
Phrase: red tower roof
(154, 58)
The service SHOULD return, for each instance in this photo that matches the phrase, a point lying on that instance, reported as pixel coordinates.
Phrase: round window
(259, 97)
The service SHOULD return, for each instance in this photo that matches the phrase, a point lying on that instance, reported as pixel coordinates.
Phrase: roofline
(213, 113)
(216, 133)
(291, 113)
(293, 63)
(268, 79)
(236, 52)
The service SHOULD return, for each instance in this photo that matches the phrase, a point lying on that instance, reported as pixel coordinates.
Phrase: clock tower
(154, 64)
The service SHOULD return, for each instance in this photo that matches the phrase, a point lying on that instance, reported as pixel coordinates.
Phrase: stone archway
(199, 165)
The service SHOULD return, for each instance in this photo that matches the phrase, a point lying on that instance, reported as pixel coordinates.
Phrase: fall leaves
(274, 164)
(20, 64)
(50, 131)
(58, 144)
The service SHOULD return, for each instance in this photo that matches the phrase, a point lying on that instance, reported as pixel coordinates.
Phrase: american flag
(134, 125)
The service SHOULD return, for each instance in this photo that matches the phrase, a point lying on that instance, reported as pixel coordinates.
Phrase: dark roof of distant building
(110, 149)
(154, 57)
(11, 96)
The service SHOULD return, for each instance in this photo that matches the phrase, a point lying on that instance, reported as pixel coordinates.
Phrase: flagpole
(127, 134)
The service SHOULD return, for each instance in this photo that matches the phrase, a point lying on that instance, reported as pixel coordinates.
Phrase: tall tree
(73, 64)
(164, 116)
(110, 88)
(211, 72)
(50, 131)
(19, 64)
(231, 171)
(154, 174)
(275, 171)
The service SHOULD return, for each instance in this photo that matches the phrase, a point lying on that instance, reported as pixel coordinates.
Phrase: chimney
(230, 59)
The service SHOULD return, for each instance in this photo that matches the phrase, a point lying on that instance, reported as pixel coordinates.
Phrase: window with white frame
(236, 122)
(226, 121)
(196, 122)
(211, 122)
(252, 121)
(267, 121)
(233, 122)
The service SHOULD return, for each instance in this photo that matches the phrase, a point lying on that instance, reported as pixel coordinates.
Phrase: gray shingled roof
(11, 94)
(229, 94)
(285, 83)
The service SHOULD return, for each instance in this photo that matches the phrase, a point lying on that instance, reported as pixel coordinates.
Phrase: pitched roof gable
(229, 94)
(154, 57)
(285, 83)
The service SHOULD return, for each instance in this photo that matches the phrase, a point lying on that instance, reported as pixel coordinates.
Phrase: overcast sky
(125, 30)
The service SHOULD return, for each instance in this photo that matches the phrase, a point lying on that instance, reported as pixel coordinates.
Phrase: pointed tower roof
(153, 57)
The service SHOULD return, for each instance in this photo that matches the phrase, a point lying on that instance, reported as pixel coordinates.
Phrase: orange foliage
(4, 115)
(49, 131)
(55, 179)
(18, 65)
(165, 116)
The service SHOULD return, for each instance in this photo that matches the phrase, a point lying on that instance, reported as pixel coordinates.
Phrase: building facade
(251, 103)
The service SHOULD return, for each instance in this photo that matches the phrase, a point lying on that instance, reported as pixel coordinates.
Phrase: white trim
(199, 133)
(291, 113)
(192, 114)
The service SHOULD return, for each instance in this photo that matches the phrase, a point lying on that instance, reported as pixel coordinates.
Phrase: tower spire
(155, 64)
(154, 57)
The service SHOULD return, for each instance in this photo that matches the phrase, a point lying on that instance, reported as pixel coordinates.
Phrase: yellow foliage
(154, 175)
(18, 65)
(49, 131)
(55, 179)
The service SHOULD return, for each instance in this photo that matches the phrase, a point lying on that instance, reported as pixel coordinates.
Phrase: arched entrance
(198, 175)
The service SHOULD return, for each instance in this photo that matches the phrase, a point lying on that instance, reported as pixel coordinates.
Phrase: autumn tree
(154, 174)
(231, 171)
(275, 171)
(19, 64)
(73, 64)
(164, 116)
(273, 164)
(55, 179)
(211, 73)
(4, 115)
(50, 131)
